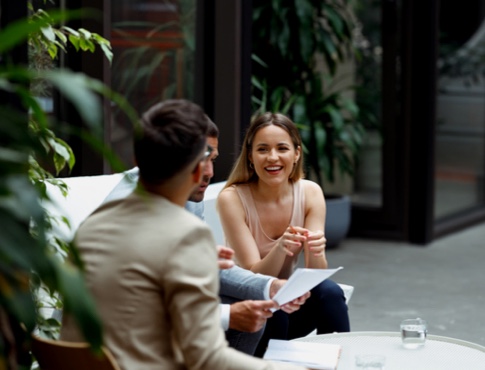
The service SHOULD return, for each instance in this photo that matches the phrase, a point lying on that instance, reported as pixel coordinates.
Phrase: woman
(270, 214)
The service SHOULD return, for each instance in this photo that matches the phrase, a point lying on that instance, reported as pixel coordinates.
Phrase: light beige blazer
(152, 269)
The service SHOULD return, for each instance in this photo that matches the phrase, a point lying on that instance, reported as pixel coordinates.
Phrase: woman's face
(273, 154)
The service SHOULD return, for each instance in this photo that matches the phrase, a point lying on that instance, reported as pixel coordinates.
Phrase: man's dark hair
(172, 134)
(213, 130)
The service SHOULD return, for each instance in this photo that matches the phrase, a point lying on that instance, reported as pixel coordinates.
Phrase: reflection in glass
(154, 44)
(460, 113)
(368, 180)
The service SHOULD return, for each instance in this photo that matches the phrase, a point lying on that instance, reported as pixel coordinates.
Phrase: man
(159, 310)
(245, 295)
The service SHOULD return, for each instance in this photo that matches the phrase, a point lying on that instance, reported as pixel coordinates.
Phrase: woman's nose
(273, 156)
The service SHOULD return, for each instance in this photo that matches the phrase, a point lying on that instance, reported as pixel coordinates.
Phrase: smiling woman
(270, 215)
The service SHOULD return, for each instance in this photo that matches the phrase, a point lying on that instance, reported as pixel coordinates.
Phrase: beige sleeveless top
(264, 242)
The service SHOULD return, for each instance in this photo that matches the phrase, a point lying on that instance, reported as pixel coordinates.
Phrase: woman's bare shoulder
(228, 200)
(310, 186)
(228, 194)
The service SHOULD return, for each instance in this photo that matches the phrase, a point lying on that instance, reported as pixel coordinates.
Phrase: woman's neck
(271, 193)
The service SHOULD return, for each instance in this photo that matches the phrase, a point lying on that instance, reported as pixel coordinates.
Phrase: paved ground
(443, 283)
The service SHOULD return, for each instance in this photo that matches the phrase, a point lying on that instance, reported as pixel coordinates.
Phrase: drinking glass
(413, 332)
(370, 362)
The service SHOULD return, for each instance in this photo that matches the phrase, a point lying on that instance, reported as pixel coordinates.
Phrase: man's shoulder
(125, 187)
(196, 208)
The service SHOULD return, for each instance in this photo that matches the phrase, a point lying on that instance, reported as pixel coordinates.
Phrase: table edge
(393, 334)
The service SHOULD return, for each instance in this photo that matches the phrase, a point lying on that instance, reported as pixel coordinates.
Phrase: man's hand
(250, 316)
(276, 285)
(225, 257)
(290, 306)
(295, 304)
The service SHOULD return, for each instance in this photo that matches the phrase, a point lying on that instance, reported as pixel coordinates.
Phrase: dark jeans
(325, 311)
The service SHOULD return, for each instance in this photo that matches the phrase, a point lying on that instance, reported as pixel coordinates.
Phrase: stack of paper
(312, 355)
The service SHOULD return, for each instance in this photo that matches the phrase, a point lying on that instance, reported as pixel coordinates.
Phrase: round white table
(438, 353)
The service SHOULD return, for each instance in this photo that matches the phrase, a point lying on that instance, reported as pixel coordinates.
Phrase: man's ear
(198, 172)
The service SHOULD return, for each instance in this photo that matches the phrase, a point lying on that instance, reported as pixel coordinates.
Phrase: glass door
(460, 121)
(154, 49)
(368, 96)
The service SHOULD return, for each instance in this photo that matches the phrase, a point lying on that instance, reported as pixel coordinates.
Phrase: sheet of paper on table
(300, 282)
(321, 356)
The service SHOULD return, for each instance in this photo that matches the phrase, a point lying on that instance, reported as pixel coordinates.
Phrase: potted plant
(300, 52)
(32, 154)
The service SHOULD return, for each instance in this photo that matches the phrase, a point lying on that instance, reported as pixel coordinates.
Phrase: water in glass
(413, 333)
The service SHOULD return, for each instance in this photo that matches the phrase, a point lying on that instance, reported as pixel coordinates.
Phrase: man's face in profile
(208, 174)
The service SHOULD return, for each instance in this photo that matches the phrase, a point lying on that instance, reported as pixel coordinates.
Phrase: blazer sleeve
(238, 284)
(191, 286)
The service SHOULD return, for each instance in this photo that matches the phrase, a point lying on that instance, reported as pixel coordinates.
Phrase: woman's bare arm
(239, 237)
(315, 214)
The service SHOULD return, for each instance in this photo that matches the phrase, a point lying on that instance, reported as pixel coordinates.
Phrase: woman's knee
(328, 289)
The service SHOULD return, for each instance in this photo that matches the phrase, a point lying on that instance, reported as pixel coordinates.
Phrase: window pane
(154, 46)
(368, 180)
(460, 110)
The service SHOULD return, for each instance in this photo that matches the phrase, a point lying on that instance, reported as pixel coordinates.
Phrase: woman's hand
(316, 242)
(292, 240)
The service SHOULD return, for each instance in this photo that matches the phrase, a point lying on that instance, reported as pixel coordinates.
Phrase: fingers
(250, 316)
(292, 240)
(295, 304)
(266, 305)
(224, 252)
(225, 255)
(225, 264)
(317, 243)
(290, 307)
(302, 299)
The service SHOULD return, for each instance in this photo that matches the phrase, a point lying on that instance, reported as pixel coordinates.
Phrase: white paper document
(312, 355)
(300, 282)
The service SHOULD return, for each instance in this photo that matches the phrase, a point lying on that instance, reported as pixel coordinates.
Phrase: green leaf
(60, 36)
(48, 33)
(335, 21)
(12, 156)
(100, 40)
(305, 13)
(78, 302)
(61, 153)
(86, 45)
(75, 40)
(255, 82)
(85, 33)
(336, 118)
(17, 32)
(16, 297)
(107, 52)
(16, 242)
(75, 87)
(71, 31)
(52, 50)
(258, 60)
(283, 40)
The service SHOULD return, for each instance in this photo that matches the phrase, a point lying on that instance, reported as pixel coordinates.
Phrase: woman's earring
(251, 166)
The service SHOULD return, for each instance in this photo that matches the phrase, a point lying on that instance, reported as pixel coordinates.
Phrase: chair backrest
(61, 355)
